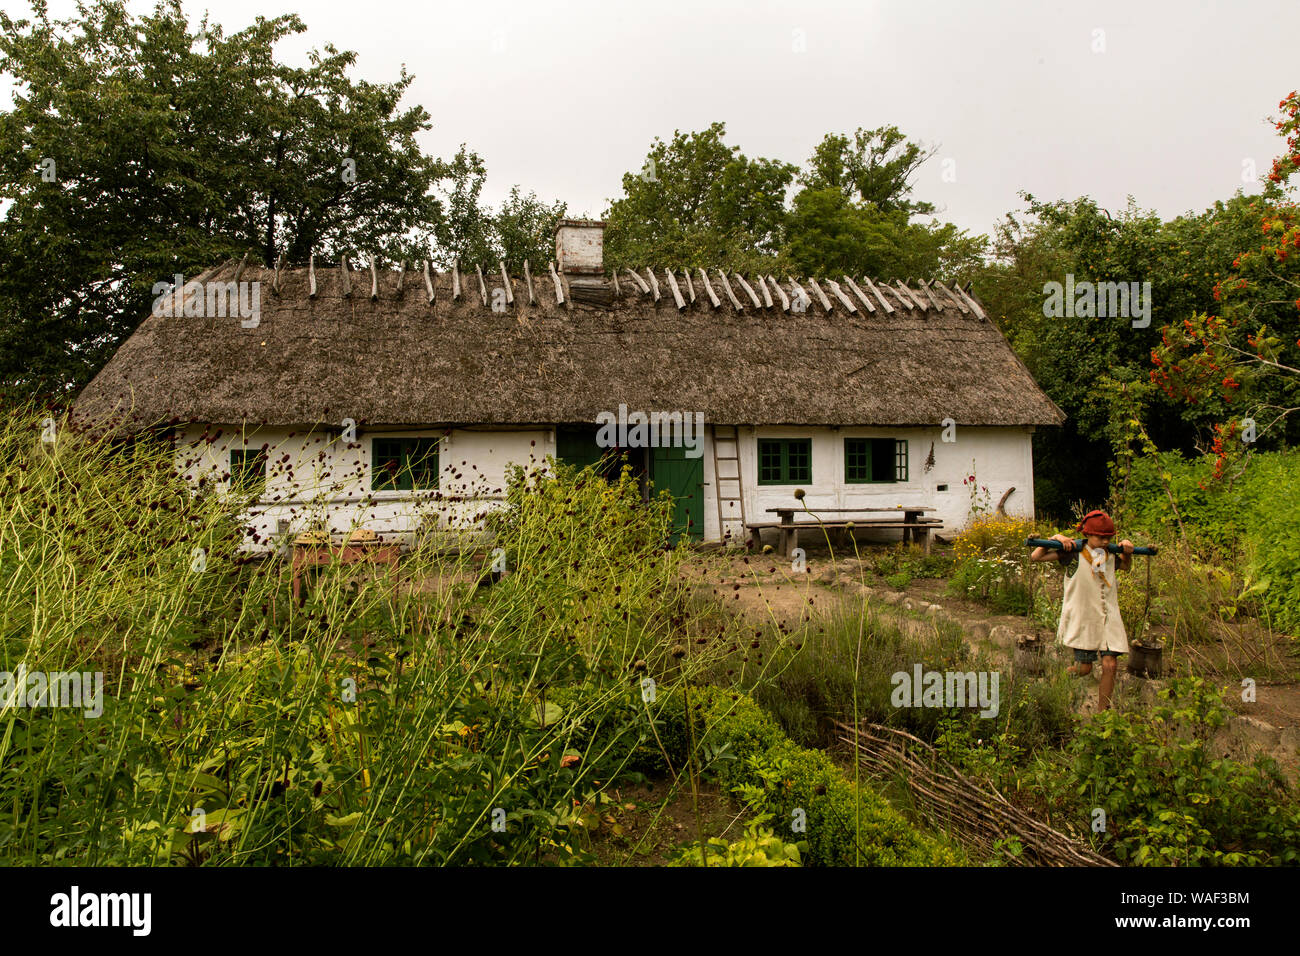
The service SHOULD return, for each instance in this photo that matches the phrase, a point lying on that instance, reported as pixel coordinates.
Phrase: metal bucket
(1146, 660)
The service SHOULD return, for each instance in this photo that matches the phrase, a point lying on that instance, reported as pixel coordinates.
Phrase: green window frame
(875, 460)
(784, 461)
(248, 470)
(403, 464)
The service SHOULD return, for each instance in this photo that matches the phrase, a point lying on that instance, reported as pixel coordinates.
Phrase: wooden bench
(914, 523)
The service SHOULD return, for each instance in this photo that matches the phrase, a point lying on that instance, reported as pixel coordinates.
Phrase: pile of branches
(975, 815)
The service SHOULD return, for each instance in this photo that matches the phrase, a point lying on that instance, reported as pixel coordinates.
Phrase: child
(1090, 618)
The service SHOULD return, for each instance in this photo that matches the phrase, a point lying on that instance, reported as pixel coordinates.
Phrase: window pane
(385, 464)
(769, 461)
(857, 463)
(248, 470)
(901, 472)
(422, 459)
(799, 452)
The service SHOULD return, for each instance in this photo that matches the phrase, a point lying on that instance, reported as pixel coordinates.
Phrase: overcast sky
(1165, 101)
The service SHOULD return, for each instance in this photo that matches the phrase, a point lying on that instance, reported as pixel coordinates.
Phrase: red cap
(1096, 522)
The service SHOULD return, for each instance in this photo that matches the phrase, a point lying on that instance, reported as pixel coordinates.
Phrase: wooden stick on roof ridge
(559, 289)
(726, 284)
(677, 292)
(505, 277)
(713, 296)
(862, 296)
(780, 293)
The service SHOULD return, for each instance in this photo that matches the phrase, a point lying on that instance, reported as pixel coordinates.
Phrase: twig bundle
(977, 816)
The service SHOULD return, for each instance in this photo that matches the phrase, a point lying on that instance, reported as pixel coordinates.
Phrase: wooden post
(907, 291)
(428, 281)
(821, 296)
(726, 284)
(677, 292)
(528, 279)
(965, 310)
(780, 293)
(713, 296)
(767, 296)
(311, 276)
(482, 286)
(690, 286)
(904, 299)
(401, 275)
(844, 299)
(640, 283)
(654, 283)
(374, 280)
(970, 300)
(797, 292)
(753, 297)
(930, 295)
(789, 534)
(455, 281)
(862, 296)
(239, 269)
(275, 283)
(505, 277)
(889, 308)
(559, 290)
(617, 290)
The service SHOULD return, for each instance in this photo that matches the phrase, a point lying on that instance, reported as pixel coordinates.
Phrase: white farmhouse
(397, 399)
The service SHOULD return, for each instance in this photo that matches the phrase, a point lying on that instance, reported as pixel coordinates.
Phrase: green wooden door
(683, 478)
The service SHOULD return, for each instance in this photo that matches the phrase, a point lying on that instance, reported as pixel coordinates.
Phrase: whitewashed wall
(317, 475)
(1000, 458)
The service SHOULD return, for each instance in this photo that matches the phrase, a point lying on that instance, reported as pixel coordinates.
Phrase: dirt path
(763, 588)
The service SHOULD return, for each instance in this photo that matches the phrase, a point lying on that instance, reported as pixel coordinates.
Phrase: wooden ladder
(719, 480)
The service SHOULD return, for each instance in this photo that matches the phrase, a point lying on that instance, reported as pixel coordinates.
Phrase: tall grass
(410, 718)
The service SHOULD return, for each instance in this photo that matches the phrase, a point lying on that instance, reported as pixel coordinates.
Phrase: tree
(1240, 362)
(1080, 359)
(139, 148)
(698, 202)
(525, 229)
(829, 233)
(464, 227)
(875, 168)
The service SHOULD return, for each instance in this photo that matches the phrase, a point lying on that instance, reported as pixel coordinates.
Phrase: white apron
(1090, 618)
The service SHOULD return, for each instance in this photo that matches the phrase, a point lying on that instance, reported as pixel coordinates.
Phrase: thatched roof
(399, 360)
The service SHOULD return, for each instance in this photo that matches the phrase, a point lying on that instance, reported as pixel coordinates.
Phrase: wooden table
(350, 552)
(913, 522)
